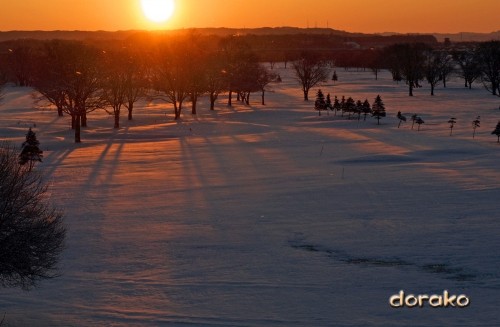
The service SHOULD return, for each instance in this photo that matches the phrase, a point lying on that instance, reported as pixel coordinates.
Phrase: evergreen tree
(497, 132)
(367, 108)
(334, 76)
(359, 108)
(475, 124)
(336, 105)
(342, 105)
(329, 102)
(349, 106)
(320, 103)
(30, 153)
(378, 109)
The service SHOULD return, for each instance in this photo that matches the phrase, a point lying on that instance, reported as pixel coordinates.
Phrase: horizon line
(242, 28)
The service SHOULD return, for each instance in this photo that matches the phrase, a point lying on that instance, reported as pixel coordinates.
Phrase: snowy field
(270, 215)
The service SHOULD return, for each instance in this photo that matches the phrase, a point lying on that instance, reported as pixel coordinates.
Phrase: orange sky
(368, 16)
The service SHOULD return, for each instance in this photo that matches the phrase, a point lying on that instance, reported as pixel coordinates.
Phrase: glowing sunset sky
(423, 16)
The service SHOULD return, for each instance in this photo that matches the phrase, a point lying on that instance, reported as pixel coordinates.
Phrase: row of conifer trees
(349, 106)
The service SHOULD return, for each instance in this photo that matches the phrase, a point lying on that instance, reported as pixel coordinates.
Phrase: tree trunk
(432, 89)
(410, 93)
(213, 98)
(247, 98)
(230, 99)
(177, 114)
(84, 119)
(306, 95)
(73, 121)
(177, 110)
(78, 119)
(60, 111)
(130, 108)
(117, 119)
(263, 95)
(194, 101)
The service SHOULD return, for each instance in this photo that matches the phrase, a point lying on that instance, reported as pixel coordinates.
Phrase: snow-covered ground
(270, 215)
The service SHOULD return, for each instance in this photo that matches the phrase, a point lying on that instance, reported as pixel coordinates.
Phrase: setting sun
(158, 11)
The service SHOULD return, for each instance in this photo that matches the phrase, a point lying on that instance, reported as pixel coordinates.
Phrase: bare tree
(136, 79)
(447, 67)
(31, 229)
(72, 80)
(469, 66)
(247, 80)
(489, 61)
(432, 68)
(264, 77)
(374, 61)
(406, 61)
(215, 77)
(21, 63)
(115, 80)
(239, 60)
(171, 80)
(196, 67)
(310, 71)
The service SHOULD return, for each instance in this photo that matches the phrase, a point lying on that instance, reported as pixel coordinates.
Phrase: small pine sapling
(401, 118)
(419, 121)
(413, 119)
(496, 132)
(334, 76)
(475, 124)
(30, 152)
(452, 123)
(320, 103)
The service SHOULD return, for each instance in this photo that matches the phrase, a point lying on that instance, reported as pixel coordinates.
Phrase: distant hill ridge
(83, 35)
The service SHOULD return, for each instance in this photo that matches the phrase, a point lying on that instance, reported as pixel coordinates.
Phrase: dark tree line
(412, 63)
(80, 77)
